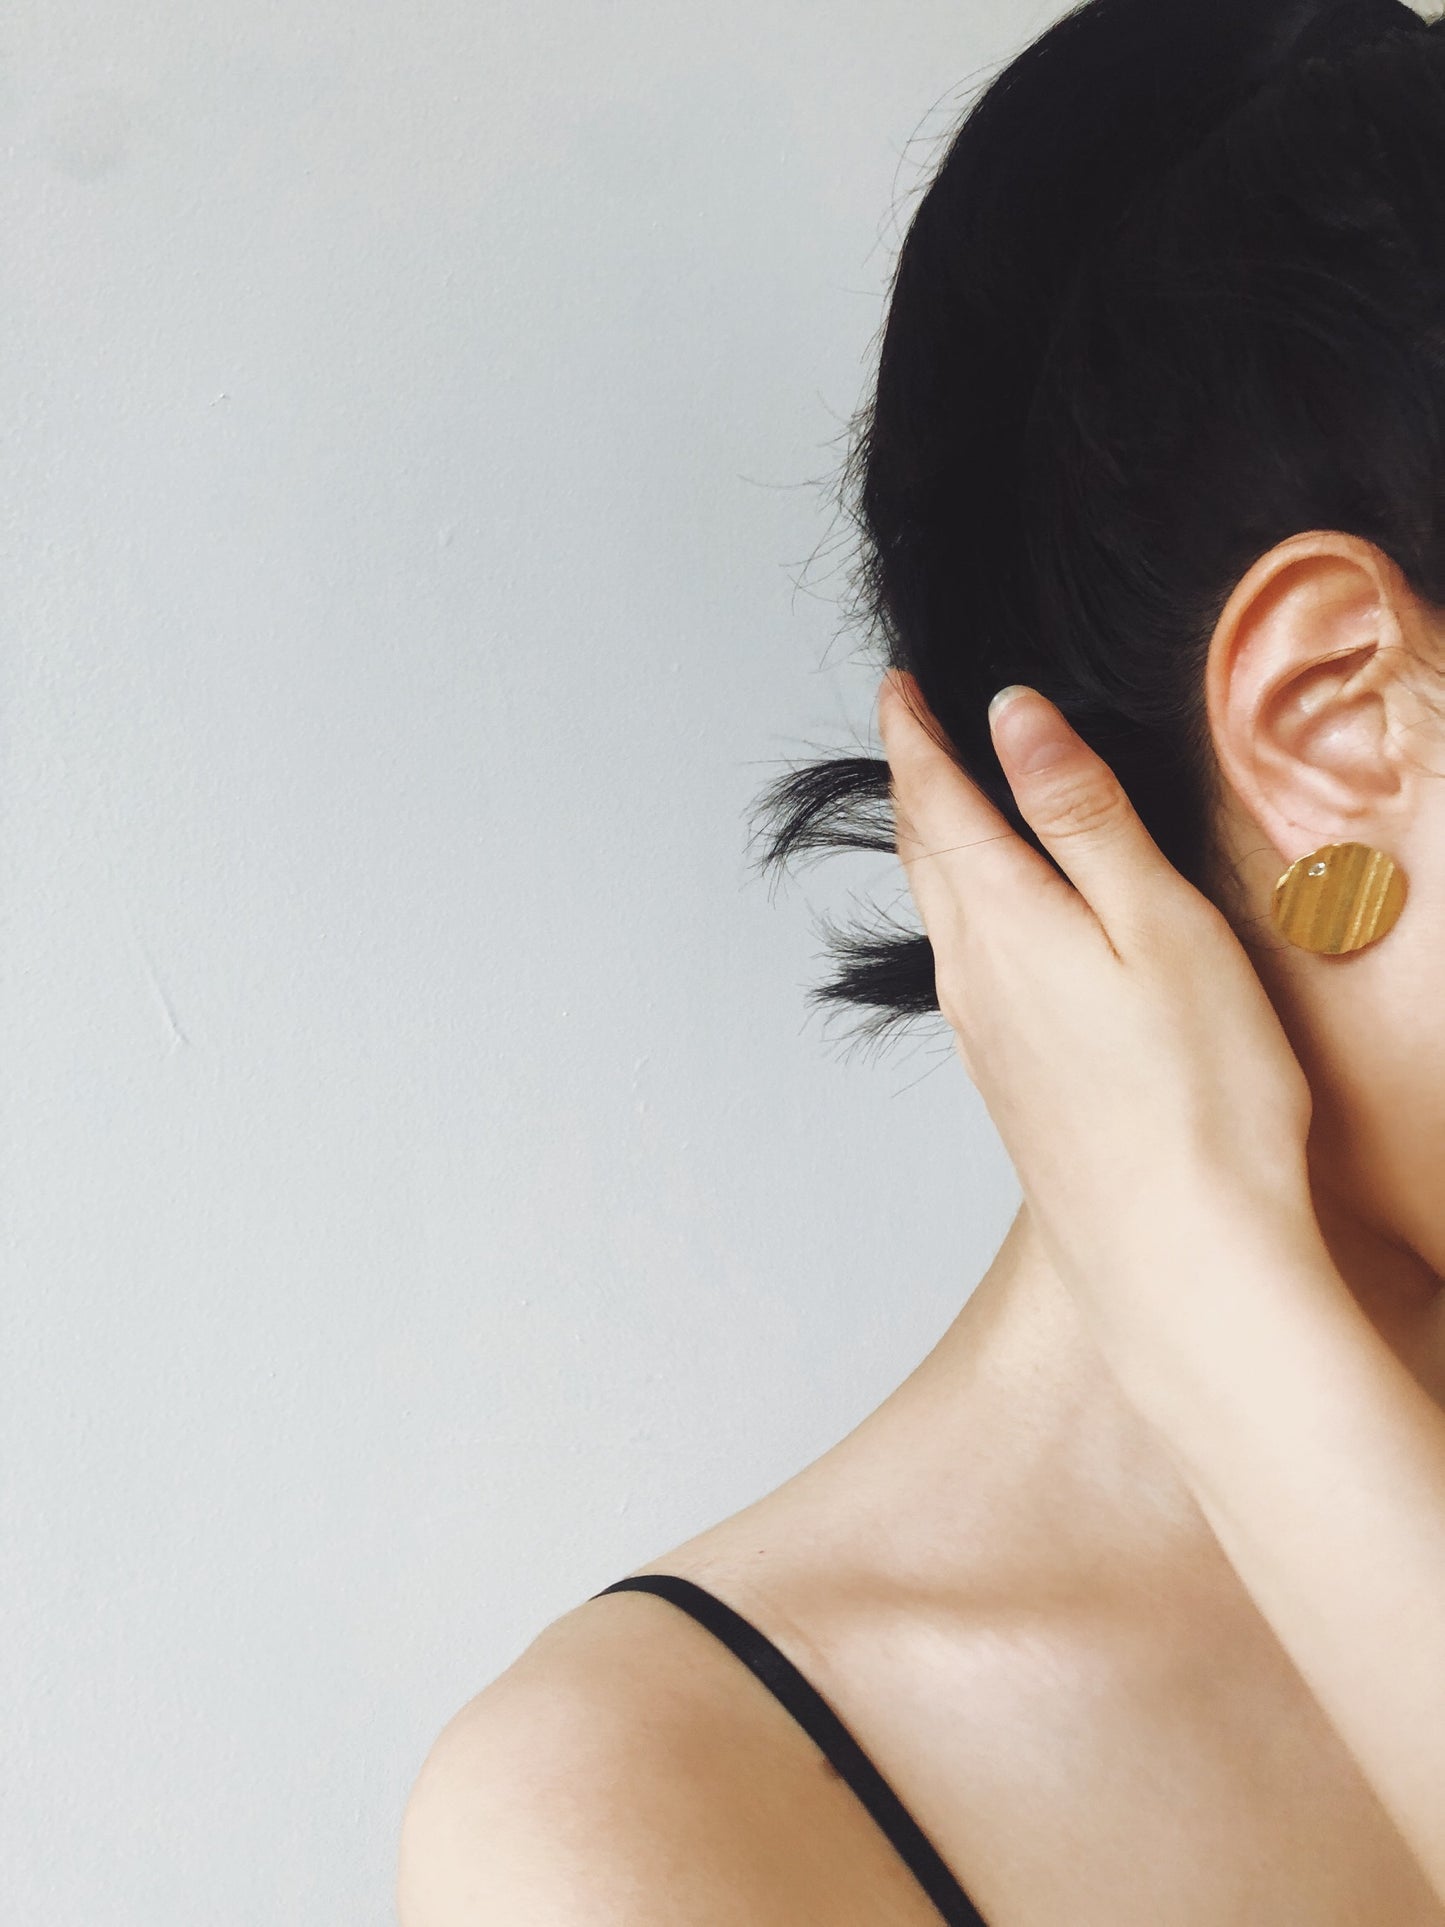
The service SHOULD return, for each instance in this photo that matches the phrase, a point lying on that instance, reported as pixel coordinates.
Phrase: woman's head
(1159, 427)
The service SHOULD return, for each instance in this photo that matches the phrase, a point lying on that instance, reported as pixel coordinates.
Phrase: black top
(813, 1713)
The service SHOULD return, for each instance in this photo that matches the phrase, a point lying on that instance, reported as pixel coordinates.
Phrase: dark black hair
(1175, 293)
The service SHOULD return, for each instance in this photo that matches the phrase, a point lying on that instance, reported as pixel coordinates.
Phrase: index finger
(950, 836)
(1067, 794)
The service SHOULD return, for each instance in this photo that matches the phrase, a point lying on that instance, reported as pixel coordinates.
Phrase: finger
(1078, 809)
(951, 839)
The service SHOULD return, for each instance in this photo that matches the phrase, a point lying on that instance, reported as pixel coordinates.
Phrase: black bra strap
(813, 1713)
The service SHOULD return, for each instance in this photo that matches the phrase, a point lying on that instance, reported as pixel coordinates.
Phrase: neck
(1010, 1463)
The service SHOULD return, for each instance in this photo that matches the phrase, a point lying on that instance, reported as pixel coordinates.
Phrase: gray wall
(425, 1192)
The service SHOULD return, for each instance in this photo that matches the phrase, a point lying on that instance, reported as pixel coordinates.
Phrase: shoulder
(594, 1781)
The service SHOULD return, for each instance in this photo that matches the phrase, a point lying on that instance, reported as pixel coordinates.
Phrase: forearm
(1319, 1461)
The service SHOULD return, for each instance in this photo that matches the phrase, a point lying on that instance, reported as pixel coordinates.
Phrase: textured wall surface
(425, 1193)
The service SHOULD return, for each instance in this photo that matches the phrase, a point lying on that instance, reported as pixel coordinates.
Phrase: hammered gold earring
(1339, 898)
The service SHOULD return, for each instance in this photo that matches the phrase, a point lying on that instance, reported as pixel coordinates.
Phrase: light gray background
(425, 1191)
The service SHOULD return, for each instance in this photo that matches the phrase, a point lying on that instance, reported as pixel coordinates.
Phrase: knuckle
(949, 981)
(1165, 922)
(1093, 808)
(886, 714)
(950, 1003)
(929, 787)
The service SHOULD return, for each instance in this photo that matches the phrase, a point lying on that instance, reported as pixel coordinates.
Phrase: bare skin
(1001, 1579)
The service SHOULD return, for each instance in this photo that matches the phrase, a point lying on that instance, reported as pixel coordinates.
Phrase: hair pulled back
(1175, 293)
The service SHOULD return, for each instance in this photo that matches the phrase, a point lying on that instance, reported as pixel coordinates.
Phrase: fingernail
(1005, 697)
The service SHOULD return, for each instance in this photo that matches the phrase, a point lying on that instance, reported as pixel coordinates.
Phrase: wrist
(1222, 1304)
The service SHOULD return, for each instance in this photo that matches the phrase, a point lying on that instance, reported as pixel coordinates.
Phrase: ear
(1308, 692)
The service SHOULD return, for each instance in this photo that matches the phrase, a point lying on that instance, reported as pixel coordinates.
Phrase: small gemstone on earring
(1316, 870)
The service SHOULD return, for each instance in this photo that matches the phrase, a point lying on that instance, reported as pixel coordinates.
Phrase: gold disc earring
(1339, 898)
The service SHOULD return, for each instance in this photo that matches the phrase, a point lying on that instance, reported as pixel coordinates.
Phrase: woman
(1128, 1606)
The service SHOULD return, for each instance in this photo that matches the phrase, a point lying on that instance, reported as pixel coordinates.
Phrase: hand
(1124, 1045)
(1149, 1098)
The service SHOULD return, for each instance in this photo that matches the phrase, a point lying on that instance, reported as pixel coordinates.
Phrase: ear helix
(1339, 898)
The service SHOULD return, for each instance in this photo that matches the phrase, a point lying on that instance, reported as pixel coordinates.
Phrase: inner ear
(1329, 716)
